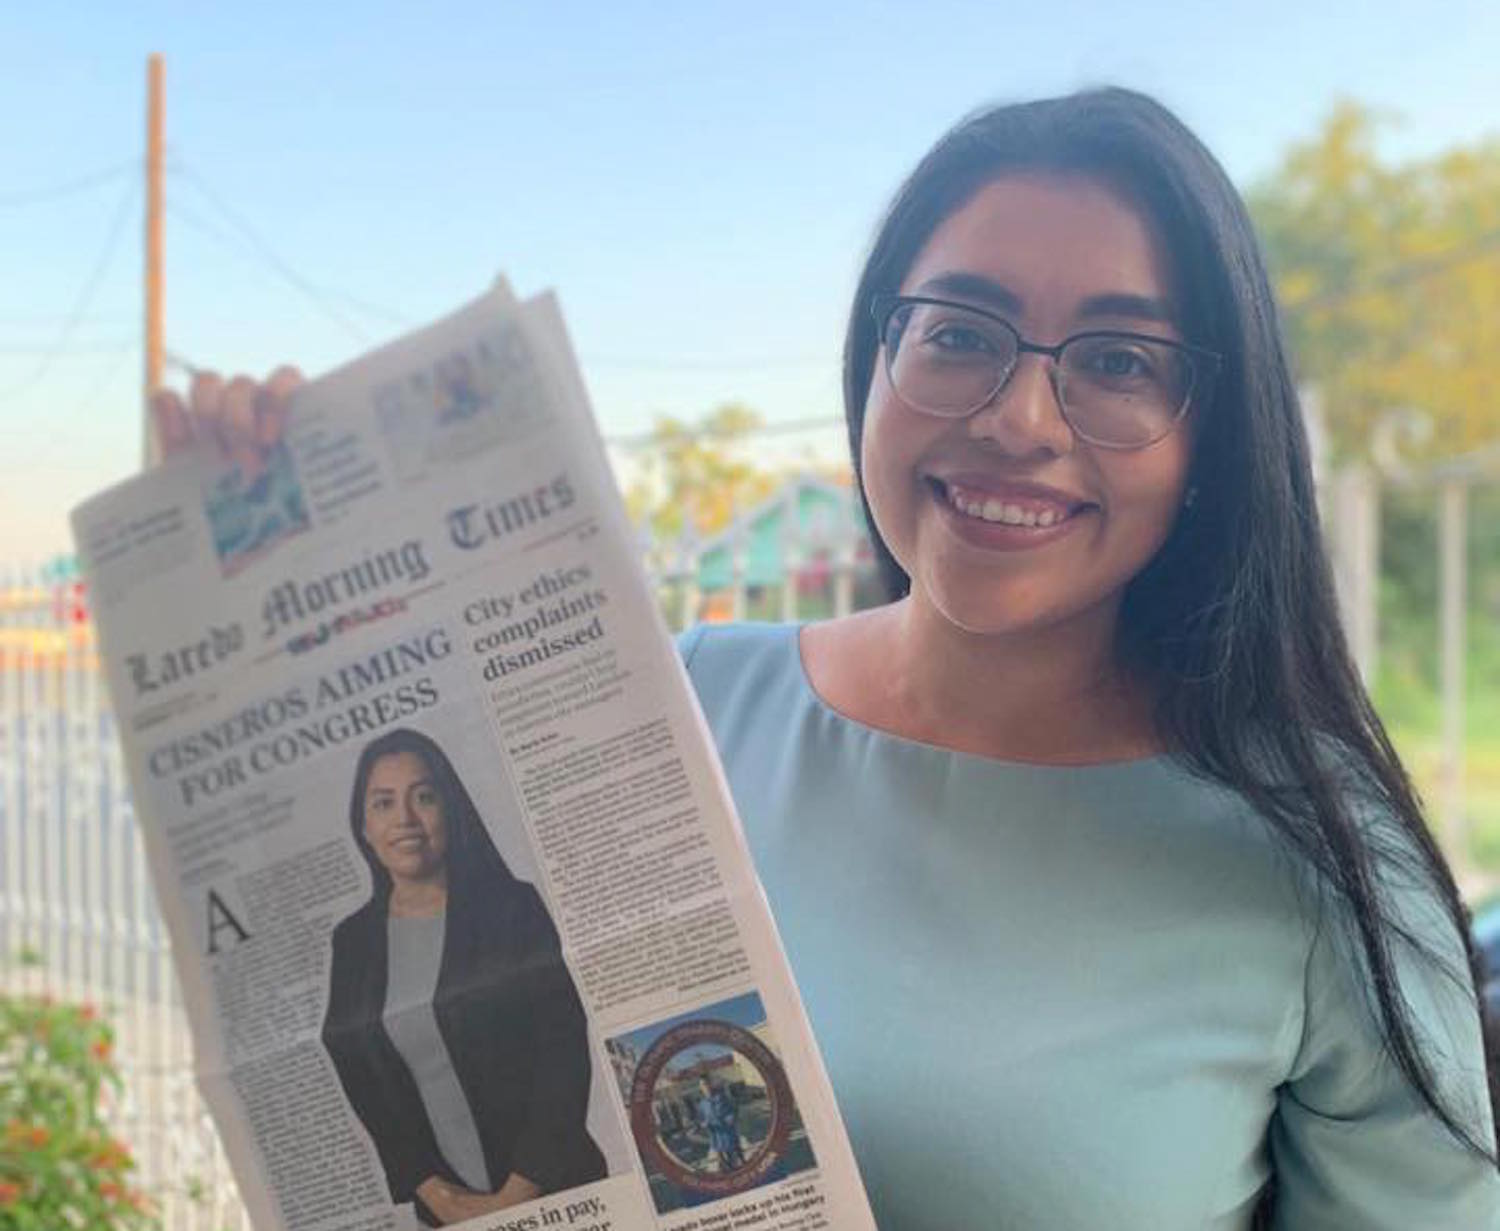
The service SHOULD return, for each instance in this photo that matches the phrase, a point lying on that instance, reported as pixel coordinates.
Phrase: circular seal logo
(711, 1108)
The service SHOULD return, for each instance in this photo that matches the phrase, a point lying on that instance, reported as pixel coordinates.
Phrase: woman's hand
(238, 421)
(448, 1202)
(516, 1190)
(451, 1202)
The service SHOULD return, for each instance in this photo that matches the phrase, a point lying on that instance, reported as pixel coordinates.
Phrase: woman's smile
(1007, 516)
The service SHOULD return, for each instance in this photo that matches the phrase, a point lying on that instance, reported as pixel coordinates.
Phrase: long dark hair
(1235, 619)
(475, 867)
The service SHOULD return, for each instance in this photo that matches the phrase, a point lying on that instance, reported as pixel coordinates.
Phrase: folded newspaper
(465, 923)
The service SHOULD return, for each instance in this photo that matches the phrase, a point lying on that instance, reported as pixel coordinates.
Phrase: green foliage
(1390, 278)
(1409, 602)
(60, 1168)
(1407, 686)
(698, 476)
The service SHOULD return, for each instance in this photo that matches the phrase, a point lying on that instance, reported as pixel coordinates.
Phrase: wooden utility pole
(155, 73)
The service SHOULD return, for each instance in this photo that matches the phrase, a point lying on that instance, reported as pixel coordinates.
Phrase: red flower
(9, 1192)
(113, 1155)
(101, 1049)
(39, 1135)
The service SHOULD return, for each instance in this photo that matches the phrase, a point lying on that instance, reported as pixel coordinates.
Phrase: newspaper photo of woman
(457, 1033)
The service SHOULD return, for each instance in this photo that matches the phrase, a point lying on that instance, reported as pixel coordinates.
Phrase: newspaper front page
(465, 923)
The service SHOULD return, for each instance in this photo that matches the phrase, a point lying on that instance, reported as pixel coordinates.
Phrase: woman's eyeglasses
(1116, 389)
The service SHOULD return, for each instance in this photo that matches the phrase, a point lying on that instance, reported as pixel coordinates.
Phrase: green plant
(60, 1167)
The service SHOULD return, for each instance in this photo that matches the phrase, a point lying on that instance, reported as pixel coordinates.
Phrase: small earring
(1192, 495)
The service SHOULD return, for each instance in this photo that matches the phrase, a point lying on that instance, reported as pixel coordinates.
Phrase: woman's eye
(1120, 363)
(426, 797)
(959, 339)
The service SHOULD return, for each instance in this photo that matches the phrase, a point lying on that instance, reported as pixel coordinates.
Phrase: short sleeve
(1353, 1144)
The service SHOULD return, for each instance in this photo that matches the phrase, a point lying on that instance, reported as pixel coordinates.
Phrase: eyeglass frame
(884, 306)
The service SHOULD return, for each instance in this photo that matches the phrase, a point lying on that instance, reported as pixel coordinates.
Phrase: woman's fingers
(237, 414)
(174, 430)
(283, 382)
(271, 406)
(240, 421)
(206, 406)
(237, 428)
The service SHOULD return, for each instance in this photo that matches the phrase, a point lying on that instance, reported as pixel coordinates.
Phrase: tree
(698, 476)
(59, 1165)
(1390, 279)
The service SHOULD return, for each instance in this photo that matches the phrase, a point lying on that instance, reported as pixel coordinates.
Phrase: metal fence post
(1355, 540)
(1453, 570)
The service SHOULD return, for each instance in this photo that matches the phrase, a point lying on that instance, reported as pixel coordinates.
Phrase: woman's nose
(1025, 416)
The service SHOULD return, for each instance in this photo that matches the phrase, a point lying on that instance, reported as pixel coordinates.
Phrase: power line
(240, 245)
(85, 295)
(27, 320)
(215, 232)
(380, 312)
(269, 256)
(67, 188)
(94, 346)
(107, 375)
(241, 248)
(708, 365)
(322, 294)
(787, 427)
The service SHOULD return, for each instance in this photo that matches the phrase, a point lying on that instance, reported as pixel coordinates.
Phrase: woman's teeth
(1009, 514)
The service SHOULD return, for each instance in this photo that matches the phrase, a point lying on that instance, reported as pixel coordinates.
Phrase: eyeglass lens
(1114, 389)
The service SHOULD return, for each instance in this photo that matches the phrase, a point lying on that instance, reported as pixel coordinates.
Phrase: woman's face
(404, 822)
(1054, 255)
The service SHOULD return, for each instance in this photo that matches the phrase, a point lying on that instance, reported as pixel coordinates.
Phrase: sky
(699, 182)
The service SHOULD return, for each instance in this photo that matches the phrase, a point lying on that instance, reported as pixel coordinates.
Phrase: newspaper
(466, 925)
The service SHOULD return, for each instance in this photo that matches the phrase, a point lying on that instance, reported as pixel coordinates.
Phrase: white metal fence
(76, 900)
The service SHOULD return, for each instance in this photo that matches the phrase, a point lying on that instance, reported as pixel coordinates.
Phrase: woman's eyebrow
(1120, 303)
(974, 287)
(996, 295)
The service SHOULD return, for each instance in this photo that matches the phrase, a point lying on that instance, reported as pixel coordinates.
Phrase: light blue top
(416, 955)
(1084, 998)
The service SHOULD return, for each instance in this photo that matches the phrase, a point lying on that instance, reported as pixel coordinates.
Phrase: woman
(1109, 900)
(452, 1021)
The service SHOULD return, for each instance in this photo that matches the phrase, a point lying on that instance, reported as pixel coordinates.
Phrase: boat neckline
(792, 630)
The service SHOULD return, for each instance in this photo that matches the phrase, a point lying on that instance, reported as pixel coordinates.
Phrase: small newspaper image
(465, 923)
